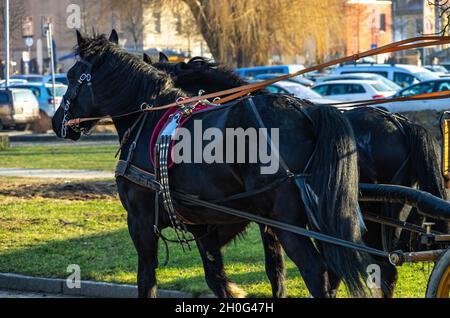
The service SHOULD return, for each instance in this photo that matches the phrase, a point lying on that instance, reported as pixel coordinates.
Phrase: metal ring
(145, 106)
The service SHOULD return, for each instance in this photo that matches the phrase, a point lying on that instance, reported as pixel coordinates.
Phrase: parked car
(287, 87)
(438, 69)
(422, 88)
(446, 65)
(353, 90)
(18, 108)
(252, 72)
(59, 79)
(298, 79)
(31, 78)
(44, 94)
(402, 74)
(13, 81)
(360, 76)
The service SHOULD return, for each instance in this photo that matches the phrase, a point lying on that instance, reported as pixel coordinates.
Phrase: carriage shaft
(426, 204)
(427, 256)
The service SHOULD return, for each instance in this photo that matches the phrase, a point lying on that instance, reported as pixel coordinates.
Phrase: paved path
(56, 174)
(18, 294)
(64, 143)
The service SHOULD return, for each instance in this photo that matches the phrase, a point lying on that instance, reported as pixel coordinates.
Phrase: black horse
(391, 150)
(108, 81)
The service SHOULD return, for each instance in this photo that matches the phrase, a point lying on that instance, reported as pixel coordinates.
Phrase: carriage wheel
(439, 282)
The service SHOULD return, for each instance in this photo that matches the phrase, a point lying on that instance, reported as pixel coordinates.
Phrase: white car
(353, 90)
(298, 90)
(401, 74)
(360, 77)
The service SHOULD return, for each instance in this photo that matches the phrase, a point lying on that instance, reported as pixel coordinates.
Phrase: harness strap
(147, 180)
(136, 139)
(127, 134)
(266, 135)
(307, 194)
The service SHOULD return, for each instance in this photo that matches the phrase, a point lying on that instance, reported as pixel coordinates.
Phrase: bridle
(85, 77)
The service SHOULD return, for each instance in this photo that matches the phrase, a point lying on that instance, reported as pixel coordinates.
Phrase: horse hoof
(234, 291)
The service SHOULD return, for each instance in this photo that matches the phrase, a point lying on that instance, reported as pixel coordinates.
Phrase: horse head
(105, 81)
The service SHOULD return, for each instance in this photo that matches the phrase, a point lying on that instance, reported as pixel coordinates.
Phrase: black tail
(335, 181)
(426, 161)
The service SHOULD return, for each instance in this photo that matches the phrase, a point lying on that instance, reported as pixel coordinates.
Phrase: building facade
(368, 26)
(414, 18)
(140, 27)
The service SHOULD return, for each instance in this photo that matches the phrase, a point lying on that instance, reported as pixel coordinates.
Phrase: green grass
(42, 237)
(60, 157)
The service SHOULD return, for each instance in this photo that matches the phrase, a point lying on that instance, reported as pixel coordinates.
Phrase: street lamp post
(6, 43)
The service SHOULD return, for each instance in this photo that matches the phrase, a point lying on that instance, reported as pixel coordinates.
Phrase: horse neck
(209, 82)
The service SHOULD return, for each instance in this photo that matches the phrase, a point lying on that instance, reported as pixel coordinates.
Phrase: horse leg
(311, 265)
(146, 244)
(273, 253)
(137, 201)
(388, 271)
(208, 244)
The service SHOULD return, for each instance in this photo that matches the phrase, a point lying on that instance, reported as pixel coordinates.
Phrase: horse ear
(80, 38)
(114, 37)
(163, 58)
(147, 59)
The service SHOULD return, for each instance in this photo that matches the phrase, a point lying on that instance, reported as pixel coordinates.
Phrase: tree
(16, 14)
(131, 18)
(443, 8)
(244, 32)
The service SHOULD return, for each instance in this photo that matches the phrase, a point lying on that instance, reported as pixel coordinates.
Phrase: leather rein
(238, 92)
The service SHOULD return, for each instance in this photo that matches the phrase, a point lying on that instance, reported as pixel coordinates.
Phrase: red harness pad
(162, 124)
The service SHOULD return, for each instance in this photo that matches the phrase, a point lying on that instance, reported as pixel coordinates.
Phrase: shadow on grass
(111, 257)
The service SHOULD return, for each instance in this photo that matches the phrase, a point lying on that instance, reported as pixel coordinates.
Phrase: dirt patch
(94, 190)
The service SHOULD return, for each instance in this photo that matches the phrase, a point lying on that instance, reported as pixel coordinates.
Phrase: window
(254, 73)
(273, 89)
(23, 96)
(382, 73)
(276, 90)
(381, 87)
(445, 86)
(355, 89)
(321, 90)
(178, 24)
(404, 79)
(157, 17)
(422, 88)
(59, 90)
(4, 98)
(36, 91)
(383, 22)
(342, 89)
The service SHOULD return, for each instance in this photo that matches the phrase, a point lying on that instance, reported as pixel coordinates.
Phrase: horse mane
(142, 81)
(215, 71)
(202, 69)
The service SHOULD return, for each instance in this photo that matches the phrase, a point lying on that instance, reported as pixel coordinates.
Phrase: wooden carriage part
(439, 282)
(445, 127)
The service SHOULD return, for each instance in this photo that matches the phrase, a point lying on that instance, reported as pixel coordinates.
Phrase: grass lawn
(60, 157)
(42, 236)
